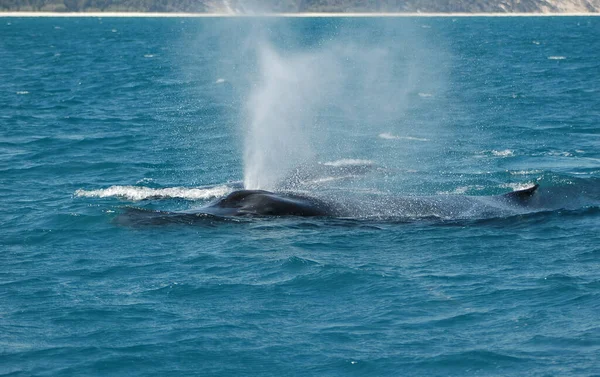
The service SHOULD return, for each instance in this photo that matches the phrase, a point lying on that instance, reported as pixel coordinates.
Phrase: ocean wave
(504, 153)
(295, 263)
(329, 179)
(141, 193)
(495, 153)
(348, 162)
(518, 186)
(389, 136)
(461, 190)
(559, 154)
(525, 172)
(557, 57)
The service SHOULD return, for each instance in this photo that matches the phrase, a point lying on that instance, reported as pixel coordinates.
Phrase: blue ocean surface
(110, 128)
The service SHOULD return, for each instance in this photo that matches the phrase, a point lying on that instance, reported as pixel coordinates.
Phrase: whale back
(521, 196)
(265, 203)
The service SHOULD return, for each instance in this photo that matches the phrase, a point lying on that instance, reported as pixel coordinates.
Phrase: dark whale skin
(265, 203)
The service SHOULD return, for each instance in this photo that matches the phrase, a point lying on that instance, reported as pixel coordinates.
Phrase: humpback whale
(266, 203)
(261, 203)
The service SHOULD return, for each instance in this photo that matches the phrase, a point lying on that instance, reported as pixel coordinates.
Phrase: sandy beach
(294, 15)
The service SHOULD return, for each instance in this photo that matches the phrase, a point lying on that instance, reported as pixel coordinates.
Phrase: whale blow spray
(330, 98)
(282, 110)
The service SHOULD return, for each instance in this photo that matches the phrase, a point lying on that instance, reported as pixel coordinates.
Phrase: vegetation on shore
(260, 6)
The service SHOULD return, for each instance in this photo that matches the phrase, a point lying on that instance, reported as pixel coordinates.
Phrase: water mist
(332, 99)
(282, 109)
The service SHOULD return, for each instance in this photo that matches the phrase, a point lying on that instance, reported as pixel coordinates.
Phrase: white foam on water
(22, 92)
(425, 95)
(461, 190)
(220, 81)
(330, 179)
(413, 138)
(525, 172)
(560, 153)
(557, 57)
(141, 193)
(504, 153)
(348, 162)
(457, 191)
(583, 173)
(517, 186)
(149, 56)
(389, 136)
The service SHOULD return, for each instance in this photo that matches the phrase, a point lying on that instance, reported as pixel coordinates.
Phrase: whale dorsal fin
(521, 195)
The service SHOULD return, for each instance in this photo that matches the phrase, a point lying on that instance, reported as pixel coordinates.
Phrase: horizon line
(290, 15)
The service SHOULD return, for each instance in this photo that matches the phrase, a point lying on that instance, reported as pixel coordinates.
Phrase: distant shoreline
(275, 15)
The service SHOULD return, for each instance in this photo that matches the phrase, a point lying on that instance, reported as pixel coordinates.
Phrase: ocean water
(104, 118)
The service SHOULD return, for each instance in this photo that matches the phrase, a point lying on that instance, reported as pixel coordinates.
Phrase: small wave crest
(320, 180)
(504, 153)
(496, 153)
(518, 186)
(462, 190)
(348, 162)
(389, 136)
(525, 172)
(141, 193)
